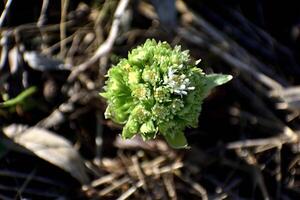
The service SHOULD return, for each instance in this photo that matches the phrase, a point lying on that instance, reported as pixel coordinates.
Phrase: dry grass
(247, 143)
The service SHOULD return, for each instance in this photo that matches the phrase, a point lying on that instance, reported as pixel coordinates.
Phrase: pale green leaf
(176, 139)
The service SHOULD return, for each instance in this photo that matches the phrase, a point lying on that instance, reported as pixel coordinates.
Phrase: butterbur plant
(157, 90)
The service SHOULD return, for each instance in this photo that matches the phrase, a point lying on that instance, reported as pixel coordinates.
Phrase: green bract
(157, 90)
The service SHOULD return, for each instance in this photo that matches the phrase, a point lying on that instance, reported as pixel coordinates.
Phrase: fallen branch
(288, 136)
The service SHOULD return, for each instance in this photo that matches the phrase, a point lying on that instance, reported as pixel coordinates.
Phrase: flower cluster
(157, 90)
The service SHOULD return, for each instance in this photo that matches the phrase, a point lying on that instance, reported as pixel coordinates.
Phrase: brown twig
(168, 180)
(63, 30)
(98, 138)
(115, 184)
(5, 11)
(43, 16)
(103, 180)
(130, 191)
(106, 46)
(139, 171)
(196, 186)
(25, 184)
(285, 137)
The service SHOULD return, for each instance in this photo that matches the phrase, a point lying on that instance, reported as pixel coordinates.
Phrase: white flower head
(178, 83)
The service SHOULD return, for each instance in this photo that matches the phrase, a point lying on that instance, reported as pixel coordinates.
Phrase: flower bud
(157, 90)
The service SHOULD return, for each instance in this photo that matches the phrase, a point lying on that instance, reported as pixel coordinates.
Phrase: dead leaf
(50, 147)
(41, 62)
(15, 60)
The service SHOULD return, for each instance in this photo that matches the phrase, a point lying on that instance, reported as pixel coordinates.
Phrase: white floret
(179, 84)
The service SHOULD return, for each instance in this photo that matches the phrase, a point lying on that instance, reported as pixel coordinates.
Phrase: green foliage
(157, 90)
(20, 98)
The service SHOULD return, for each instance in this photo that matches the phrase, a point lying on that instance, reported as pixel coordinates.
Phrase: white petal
(198, 61)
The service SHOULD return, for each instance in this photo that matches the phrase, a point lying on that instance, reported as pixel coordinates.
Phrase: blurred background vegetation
(55, 144)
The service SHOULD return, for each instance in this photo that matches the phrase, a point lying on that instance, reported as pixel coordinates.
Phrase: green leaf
(130, 129)
(176, 139)
(213, 80)
(148, 130)
(20, 98)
